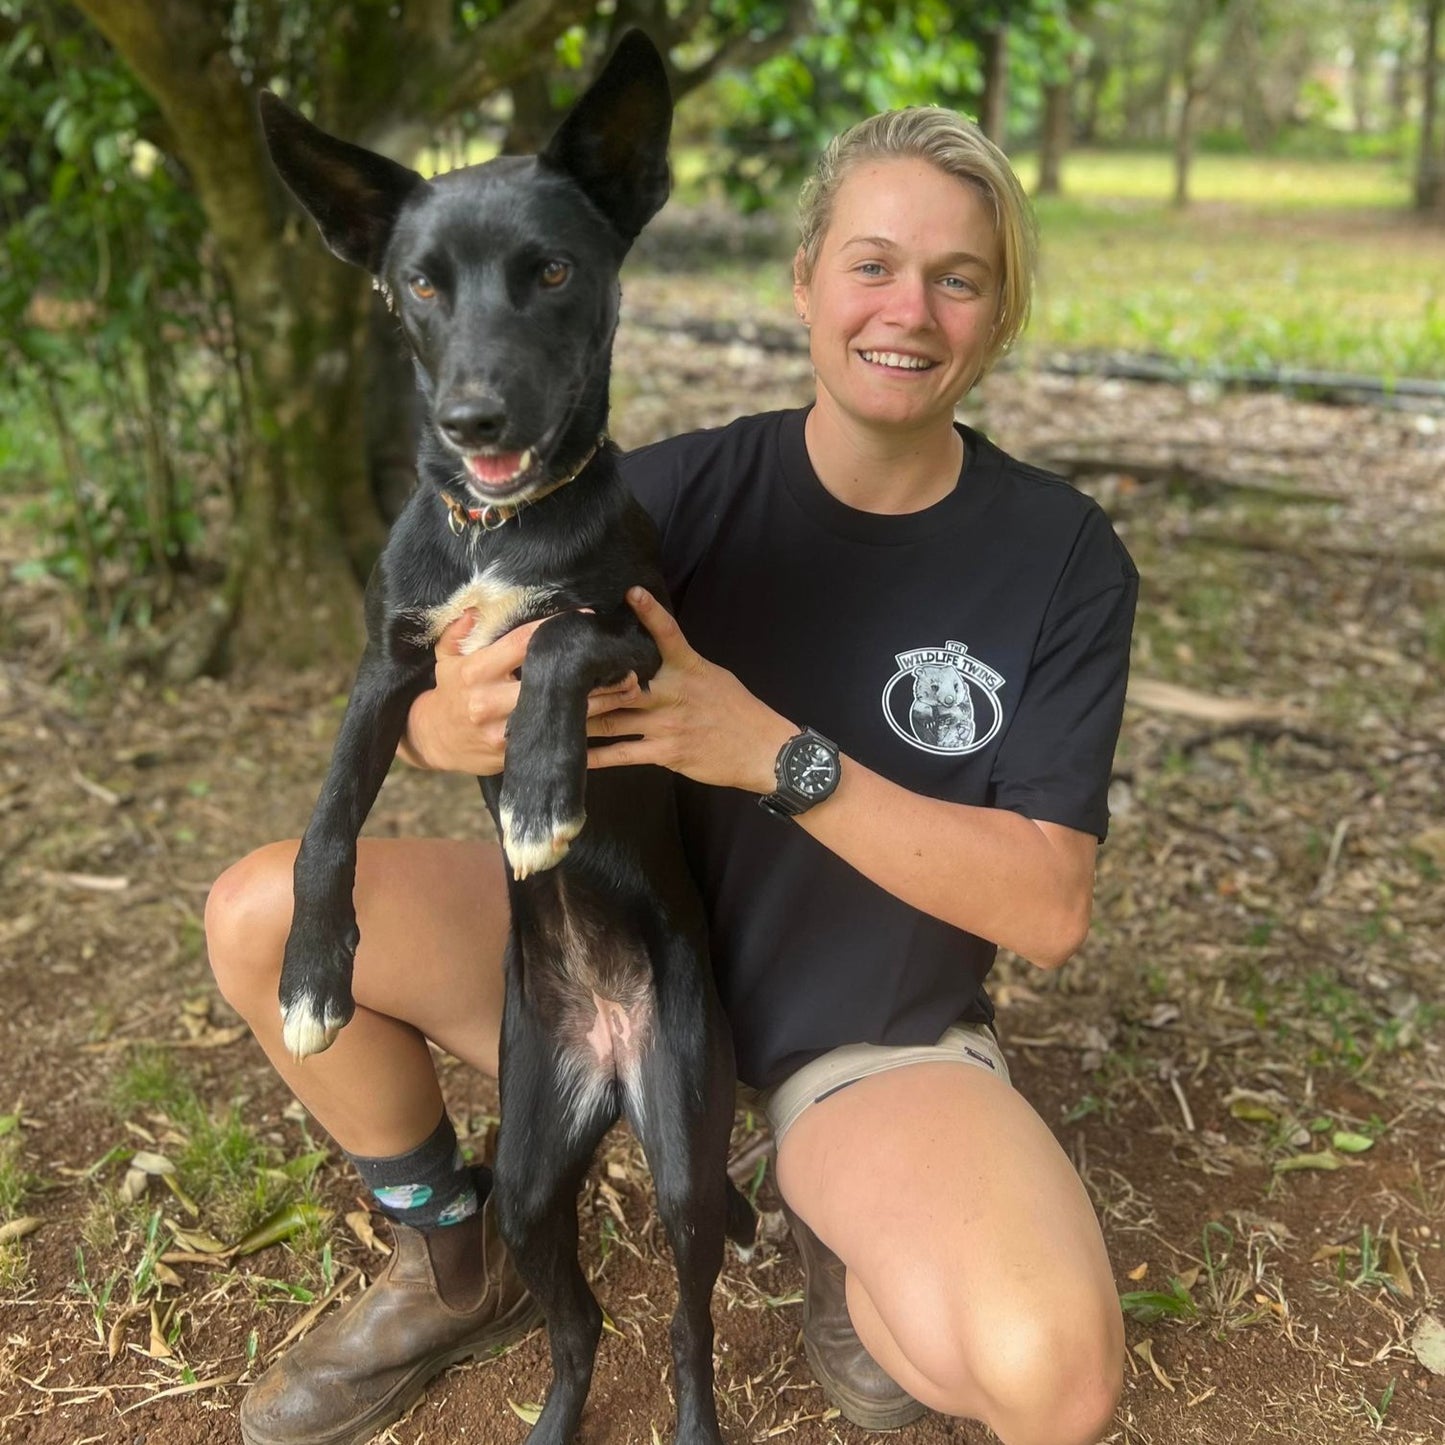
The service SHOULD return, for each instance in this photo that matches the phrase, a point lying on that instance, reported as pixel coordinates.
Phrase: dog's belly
(594, 984)
(498, 603)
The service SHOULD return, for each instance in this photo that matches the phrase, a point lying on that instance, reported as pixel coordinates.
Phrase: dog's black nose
(474, 421)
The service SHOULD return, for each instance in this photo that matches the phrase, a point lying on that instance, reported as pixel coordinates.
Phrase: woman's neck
(889, 473)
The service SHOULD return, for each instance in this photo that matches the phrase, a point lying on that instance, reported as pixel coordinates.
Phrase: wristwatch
(807, 771)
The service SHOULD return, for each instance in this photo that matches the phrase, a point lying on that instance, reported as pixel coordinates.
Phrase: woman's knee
(1051, 1381)
(248, 915)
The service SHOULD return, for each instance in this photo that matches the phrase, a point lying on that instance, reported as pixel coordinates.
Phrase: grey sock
(428, 1187)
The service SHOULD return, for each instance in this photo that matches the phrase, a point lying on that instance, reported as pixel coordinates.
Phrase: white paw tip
(305, 1032)
(529, 855)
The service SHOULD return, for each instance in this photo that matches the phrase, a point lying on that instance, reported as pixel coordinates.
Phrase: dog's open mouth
(500, 471)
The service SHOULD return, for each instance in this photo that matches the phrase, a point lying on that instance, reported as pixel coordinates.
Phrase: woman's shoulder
(702, 446)
(1044, 507)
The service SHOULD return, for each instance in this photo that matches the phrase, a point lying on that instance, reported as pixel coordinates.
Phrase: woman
(959, 624)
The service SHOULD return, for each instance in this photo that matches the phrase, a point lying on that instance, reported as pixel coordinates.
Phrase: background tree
(305, 523)
(1430, 161)
(736, 34)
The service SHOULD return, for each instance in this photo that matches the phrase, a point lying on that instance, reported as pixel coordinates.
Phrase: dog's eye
(554, 273)
(421, 288)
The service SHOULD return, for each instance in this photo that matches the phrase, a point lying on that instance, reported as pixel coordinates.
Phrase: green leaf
(1148, 1306)
(1349, 1143)
(1323, 1160)
(286, 1223)
(528, 1414)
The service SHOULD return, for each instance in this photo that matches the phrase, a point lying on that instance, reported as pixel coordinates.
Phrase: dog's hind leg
(548, 1134)
(686, 1089)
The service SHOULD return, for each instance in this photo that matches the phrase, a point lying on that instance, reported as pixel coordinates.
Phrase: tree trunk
(993, 109)
(1430, 168)
(533, 116)
(1364, 52)
(1184, 141)
(306, 524)
(1096, 77)
(1057, 133)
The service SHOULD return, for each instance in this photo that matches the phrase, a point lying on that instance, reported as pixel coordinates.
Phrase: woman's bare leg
(976, 1271)
(433, 918)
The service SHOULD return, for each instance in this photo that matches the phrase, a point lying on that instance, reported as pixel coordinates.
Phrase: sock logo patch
(462, 1207)
(403, 1196)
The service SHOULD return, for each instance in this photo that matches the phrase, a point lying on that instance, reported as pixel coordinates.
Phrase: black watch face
(810, 769)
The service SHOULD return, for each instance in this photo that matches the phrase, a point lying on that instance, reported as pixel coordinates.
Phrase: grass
(1311, 265)
(236, 1179)
(15, 1184)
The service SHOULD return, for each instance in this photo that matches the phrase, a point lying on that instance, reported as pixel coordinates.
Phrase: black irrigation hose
(1342, 388)
(1405, 393)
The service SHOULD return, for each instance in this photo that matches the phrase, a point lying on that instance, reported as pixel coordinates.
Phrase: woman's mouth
(898, 360)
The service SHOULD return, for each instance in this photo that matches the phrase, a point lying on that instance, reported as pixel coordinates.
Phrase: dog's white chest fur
(499, 605)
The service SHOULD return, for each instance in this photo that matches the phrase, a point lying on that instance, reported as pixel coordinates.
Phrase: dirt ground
(1245, 1062)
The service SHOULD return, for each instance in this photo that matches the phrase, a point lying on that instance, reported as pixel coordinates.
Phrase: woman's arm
(460, 725)
(1023, 884)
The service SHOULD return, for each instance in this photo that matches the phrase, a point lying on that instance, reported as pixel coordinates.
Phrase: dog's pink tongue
(491, 470)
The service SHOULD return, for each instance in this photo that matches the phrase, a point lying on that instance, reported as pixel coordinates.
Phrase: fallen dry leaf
(358, 1221)
(1145, 1350)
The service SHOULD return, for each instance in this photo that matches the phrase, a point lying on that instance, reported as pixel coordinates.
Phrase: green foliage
(859, 58)
(109, 325)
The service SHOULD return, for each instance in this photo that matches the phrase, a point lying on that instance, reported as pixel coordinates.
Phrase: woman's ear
(800, 286)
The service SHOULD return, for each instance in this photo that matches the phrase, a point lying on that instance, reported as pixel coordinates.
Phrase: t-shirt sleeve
(652, 475)
(1054, 762)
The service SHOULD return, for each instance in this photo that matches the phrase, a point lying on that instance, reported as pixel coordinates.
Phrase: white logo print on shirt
(952, 706)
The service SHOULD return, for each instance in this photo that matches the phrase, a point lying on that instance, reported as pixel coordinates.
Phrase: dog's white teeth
(529, 460)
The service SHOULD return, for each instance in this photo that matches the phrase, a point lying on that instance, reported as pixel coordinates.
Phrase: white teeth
(897, 358)
(529, 460)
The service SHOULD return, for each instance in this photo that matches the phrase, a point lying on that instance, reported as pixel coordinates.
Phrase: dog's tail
(742, 1226)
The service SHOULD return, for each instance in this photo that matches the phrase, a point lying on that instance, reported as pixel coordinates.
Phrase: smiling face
(903, 297)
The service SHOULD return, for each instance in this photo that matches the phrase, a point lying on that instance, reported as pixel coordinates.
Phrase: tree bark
(1057, 133)
(1430, 167)
(306, 524)
(993, 109)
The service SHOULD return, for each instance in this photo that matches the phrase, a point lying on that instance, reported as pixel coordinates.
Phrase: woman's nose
(909, 303)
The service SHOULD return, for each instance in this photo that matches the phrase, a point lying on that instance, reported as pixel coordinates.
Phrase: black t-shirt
(975, 651)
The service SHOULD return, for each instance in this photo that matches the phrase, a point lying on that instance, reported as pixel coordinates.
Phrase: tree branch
(518, 39)
(179, 53)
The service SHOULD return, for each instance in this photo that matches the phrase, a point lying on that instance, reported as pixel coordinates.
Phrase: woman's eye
(421, 288)
(871, 268)
(554, 273)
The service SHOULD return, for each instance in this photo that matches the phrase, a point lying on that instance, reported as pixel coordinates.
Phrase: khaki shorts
(974, 1044)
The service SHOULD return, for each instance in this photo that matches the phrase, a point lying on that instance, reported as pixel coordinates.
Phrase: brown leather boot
(851, 1378)
(430, 1307)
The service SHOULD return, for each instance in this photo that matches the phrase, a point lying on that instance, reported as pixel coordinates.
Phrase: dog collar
(491, 516)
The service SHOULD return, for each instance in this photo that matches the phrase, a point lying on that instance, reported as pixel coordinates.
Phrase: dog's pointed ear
(353, 194)
(613, 142)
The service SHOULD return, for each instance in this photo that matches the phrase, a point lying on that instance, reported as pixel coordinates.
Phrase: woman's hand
(695, 718)
(460, 725)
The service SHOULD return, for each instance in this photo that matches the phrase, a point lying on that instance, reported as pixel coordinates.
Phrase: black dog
(505, 278)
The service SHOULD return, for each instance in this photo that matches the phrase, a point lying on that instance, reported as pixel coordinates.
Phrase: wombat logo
(942, 700)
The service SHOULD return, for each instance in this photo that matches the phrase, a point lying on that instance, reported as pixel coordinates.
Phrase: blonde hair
(958, 148)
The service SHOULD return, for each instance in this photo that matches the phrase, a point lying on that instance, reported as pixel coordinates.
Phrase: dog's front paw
(537, 835)
(316, 1001)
